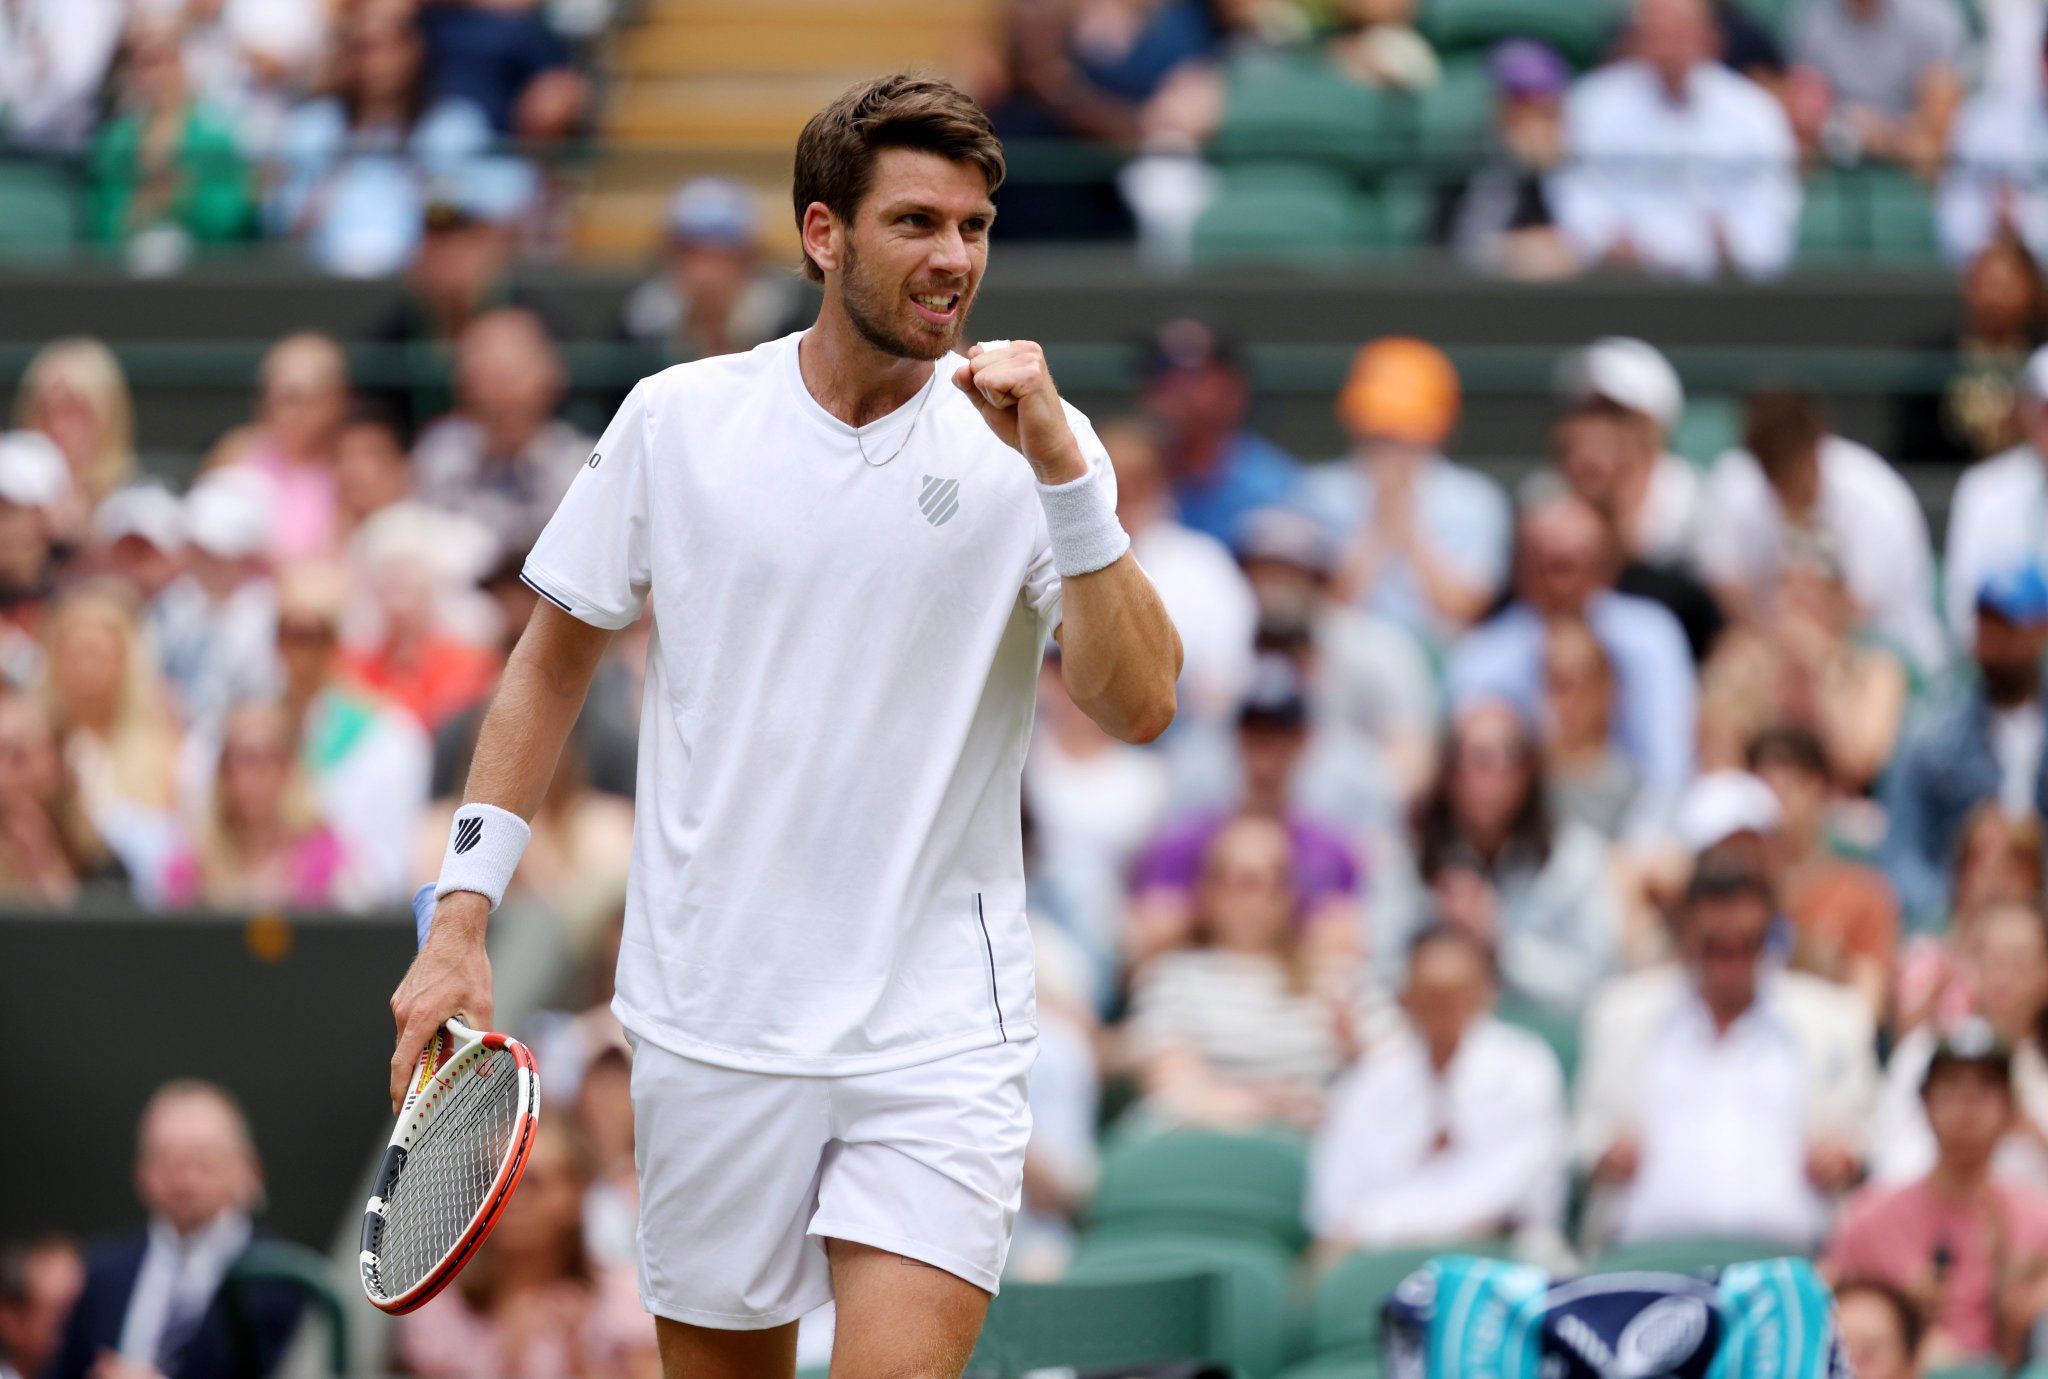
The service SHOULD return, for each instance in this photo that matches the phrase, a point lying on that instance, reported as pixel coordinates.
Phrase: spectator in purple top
(1196, 388)
(1272, 738)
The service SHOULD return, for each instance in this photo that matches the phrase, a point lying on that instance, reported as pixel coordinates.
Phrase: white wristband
(484, 845)
(1085, 533)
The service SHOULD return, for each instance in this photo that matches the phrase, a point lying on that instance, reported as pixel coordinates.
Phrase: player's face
(915, 252)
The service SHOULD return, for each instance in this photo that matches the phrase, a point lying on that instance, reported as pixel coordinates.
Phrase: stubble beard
(870, 315)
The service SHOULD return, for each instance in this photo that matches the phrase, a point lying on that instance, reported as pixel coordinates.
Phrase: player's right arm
(536, 704)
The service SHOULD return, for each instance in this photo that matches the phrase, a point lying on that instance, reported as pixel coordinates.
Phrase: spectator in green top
(165, 160)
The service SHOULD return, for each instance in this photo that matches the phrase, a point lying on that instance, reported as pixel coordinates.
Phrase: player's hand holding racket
(451, 976)
(465, 1127)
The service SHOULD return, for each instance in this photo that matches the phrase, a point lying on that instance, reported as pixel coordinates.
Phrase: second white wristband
(1081, 518)
(484, 847)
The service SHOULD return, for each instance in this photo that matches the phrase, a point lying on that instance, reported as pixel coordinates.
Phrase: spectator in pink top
(1970, 1249)
(263, 843)
(291, 444)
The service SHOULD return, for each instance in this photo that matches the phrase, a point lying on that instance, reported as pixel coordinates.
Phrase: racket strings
(449, 1171)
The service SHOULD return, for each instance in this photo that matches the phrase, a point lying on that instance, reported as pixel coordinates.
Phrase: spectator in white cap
(1796, 476)
(1676, 165)
(1623, 400)
(1999, 514)
(711, 295)
(1982, 743)
(138, 537)
(1995, 181)
(215, 623)
(1720, 1095)
(33, 482)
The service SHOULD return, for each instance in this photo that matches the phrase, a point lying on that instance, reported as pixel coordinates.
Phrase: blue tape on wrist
(423, 912)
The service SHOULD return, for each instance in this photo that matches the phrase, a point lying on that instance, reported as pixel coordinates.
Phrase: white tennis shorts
(743, 1175)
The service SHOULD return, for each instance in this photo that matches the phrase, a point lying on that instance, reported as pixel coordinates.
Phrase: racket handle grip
(423, 912)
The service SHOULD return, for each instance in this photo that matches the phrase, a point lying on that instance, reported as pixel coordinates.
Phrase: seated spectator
(1975, 414)
(533, 1304)
(34, 488)
(1095, 803)
(1845, 919)
(1990, 526)
(1272, 739)
(250, 58)
(354, 166)
(1623, 400)
(415, 566)
(50, 848)
(289, 447)
(370, 761)
(1452, 1130)
(1718, 1096)
(216, 623)
(262, 844)
(1196, 388)
(1371, 691)
(1891, 76)
(1426, 540)
(501, 57)
(168, 167)
(1803, 663)
(1500, 218)
(1233, 1030)
(1795, 478)
(603, 1114)
(1998, 857)
(712, 294)
(1982, 743)
(1994, 183)
(75, 392)
(40, 1279)
(502, 456)
(1880, 1328)
(1587, 778)
(107, 700)
(54, 58)
(1563, 573)
(372, 470)
(1969, 1247)
(2000, 960)
(1674, 164)
(155, 1301)
(1492, 862)
(138, 540)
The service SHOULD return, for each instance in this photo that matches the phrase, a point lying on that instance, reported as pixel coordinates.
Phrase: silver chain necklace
(925, 395)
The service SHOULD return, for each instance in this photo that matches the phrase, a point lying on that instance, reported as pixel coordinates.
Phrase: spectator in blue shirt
(1984, 743)
(503, 58)
(1195, 386)
(1565, 570)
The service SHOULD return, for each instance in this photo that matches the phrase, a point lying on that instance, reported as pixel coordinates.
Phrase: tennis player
(855, 541)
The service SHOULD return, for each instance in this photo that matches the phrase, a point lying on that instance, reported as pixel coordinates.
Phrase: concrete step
(772, 46)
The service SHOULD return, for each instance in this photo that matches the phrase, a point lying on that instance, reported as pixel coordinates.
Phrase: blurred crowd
(1653, 852)
(343, 125)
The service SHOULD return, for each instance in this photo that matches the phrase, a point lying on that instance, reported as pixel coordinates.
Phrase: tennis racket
(462, 1140)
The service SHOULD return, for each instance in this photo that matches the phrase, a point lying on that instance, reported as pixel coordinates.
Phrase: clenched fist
(1010, 385)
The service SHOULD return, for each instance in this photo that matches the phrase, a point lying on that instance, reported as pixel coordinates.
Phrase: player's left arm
(1119, 652)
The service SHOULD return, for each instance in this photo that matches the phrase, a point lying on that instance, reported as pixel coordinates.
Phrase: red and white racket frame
(448, 1057)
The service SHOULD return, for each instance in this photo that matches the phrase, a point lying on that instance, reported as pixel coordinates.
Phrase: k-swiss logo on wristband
(467, 832)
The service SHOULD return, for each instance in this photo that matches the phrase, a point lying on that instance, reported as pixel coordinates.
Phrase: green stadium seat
(1872, 212)
(1710, 427)
(1168, 1314)
(281, 1261)
(1250, 1318)
(1553, 1027)
(1772, 14)
(1398, 212)
(1988, 1369)
(1579, 28)
(1360, 1364)
(38, 210)
(1205, 1179)
(1344, 1319)
(1689, 1256)
(1452, 118)
(1290, 107)
(1271, 208)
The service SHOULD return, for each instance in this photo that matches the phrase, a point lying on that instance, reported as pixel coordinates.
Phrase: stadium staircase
(723, 86)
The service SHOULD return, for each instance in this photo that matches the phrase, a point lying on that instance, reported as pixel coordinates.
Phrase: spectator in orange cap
(1427, 540)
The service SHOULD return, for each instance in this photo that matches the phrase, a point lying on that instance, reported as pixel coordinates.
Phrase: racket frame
(449, 1055)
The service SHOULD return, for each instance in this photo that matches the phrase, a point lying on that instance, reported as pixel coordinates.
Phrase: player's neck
(849, 377)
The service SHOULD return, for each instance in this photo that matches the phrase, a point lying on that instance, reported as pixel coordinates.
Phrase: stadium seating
(42, 219)
(1689, 1256)
(1195, 1180)
(1250, 1330)
(1168, 1314)
(1557, 1029)
(1579, 28)
(1291, 206)
(311, 1272)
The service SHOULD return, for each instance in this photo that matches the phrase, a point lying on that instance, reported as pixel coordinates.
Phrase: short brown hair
(835, 155)
(1783, 427)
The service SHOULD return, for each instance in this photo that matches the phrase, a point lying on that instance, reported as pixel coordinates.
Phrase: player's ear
(822, 236)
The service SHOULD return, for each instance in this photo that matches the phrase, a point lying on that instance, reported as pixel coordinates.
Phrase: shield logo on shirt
(940, 499)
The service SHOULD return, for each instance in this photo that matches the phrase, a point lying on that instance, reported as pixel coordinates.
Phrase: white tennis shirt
(827, 869)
